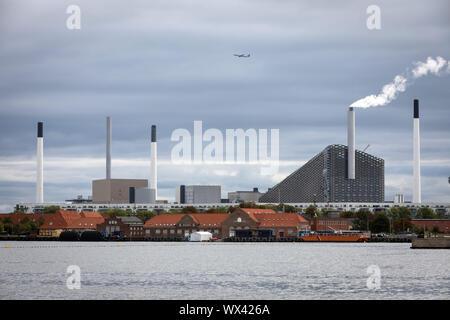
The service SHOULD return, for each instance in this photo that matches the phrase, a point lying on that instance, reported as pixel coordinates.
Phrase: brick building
(329, 224)
(281, 225)
(70, 221)
(122, 226)
(182, 225)
(442, 224)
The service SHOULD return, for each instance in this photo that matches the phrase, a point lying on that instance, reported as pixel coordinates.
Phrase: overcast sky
(170, 62)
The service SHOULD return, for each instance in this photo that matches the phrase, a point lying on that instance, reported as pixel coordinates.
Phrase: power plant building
(115, 190)
(197, 194)
(325, 178)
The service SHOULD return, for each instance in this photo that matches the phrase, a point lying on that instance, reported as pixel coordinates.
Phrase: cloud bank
(390, 91)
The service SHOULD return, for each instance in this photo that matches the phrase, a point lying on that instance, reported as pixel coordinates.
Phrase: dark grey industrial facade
(324, 179)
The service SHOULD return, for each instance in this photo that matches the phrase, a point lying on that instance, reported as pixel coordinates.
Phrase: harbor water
(183, 270)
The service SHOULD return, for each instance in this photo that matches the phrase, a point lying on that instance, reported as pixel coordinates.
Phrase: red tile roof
(72, 220)
(164, 219)
(209, 219)
(251, 212)
(202, 219)
(90, 214)
(18, 217)
(280, 219)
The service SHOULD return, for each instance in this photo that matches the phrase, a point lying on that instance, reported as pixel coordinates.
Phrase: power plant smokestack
(108, 147)
(40, 164)
(417, 193)
(153, 167)
(351, 144)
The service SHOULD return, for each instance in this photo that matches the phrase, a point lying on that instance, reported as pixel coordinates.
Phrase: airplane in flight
(242, 55)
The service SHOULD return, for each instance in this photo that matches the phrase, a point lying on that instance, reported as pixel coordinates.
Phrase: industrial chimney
(351, 144)
(108, 147)
(417, 193)
(153, 168)
(40, 164)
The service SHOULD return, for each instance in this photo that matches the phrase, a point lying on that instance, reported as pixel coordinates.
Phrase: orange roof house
(70, 220)
(281, 224)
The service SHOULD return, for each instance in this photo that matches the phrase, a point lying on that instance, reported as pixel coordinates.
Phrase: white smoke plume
(390, 91)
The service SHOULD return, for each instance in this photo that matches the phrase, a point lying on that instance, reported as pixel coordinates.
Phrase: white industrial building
(197, 194)
(244, 196)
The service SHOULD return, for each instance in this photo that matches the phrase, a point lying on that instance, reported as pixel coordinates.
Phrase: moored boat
(335, 236)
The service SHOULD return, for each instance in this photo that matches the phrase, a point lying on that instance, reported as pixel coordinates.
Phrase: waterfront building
(442, 224)
(70, 221)
(281, 225)
(182, 225)
(122, 226)
(325, 179)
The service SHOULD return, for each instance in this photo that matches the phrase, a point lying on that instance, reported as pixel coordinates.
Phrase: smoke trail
(390, 91)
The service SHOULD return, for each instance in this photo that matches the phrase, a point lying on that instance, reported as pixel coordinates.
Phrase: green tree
(347, 214)
(25, 220)
(7, 220)
(189, 209)
(41, 221)
(285, 208)
(117, 212)
(380, 223)
(425, 213)
(2, 227)
(8, 224)
(222, 209)
(402, 224)
(435, 230)
(51, 209)
(417, 230)
(401, 218)
(145, 215)
(400, 213)
(17, 228)
(362, 220)
(312, 212)
(246, 205)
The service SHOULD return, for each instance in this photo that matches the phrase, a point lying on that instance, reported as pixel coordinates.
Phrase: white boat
(201, 236)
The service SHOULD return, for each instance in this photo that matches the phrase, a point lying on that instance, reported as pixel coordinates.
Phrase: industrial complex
(339, 177)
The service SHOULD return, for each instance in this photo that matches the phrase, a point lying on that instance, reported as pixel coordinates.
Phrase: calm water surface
(170, 270)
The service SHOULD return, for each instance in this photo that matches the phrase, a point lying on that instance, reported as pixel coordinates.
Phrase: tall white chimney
(108, 147)
(153, 165)
(351, 144)
(40, 164)
(417, 193)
